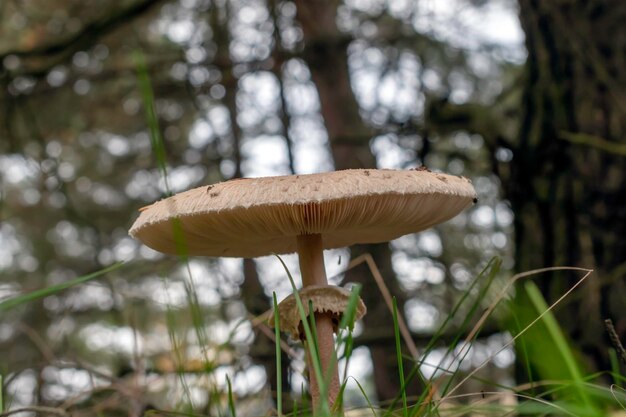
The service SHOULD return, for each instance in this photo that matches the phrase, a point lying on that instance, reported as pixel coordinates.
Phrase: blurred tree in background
(249, 88)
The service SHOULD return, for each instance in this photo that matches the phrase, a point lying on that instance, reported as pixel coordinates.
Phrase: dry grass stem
(497, 300)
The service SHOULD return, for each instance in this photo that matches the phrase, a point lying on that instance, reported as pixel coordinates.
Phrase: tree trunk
(252, 291)
(567, 184)
(325, 53)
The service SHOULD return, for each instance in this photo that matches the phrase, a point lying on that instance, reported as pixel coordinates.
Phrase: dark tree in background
(75, 146)
(565, 181)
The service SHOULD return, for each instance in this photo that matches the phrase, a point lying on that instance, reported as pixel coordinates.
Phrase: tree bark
(566, 188)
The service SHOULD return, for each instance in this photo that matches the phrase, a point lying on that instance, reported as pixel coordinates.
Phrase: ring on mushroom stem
(327, 299)
(305, 214)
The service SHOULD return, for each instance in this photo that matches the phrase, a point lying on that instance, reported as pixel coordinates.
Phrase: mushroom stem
(310, 253)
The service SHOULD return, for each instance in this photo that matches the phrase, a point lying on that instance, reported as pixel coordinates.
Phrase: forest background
(526, 98)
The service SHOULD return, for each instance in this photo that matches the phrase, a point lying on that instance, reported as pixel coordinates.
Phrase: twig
(38, 341)
(594, 142)
(47, 410)
(259, 323)
(378, 277)
(89, 34)
(615, 339)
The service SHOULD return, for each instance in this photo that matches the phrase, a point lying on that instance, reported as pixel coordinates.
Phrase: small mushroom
(304, 214)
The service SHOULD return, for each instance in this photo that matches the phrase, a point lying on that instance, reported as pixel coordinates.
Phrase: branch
(445, 117)
(43, 410)
(593, 141)
(87, 35)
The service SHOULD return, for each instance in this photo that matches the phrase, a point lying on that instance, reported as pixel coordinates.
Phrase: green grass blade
(45, 292)
(486, 276)
(231, 401)
(147, 94)
(348, 317)
(313, 328)
(490, 270)
(197, 317)
(615, 367)
(158, 148)
(616, 396)
(324, 408)
(347, 322)
(177, 351)
(369, 403)
(279, 374)
(396, 330)
(522, 349)
(563, 349)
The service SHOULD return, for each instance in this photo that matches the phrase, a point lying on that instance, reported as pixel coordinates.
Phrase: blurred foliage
(233, 95)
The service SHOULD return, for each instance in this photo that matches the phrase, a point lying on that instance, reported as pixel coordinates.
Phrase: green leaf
(549, 354)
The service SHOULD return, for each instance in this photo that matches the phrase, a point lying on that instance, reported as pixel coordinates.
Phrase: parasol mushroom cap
(326, 299)
(260, 216)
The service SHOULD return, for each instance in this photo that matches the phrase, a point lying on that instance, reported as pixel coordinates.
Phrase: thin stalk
(231, 401)
(279, 382)
(399, 355)
(53, 289)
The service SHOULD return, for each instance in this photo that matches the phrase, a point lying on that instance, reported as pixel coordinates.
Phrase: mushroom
(305, 214)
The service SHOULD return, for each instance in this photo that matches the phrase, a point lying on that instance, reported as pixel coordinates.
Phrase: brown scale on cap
(261, 216)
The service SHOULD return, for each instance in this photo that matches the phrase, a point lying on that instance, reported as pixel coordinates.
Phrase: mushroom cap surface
(326, 299)
(254, 217)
